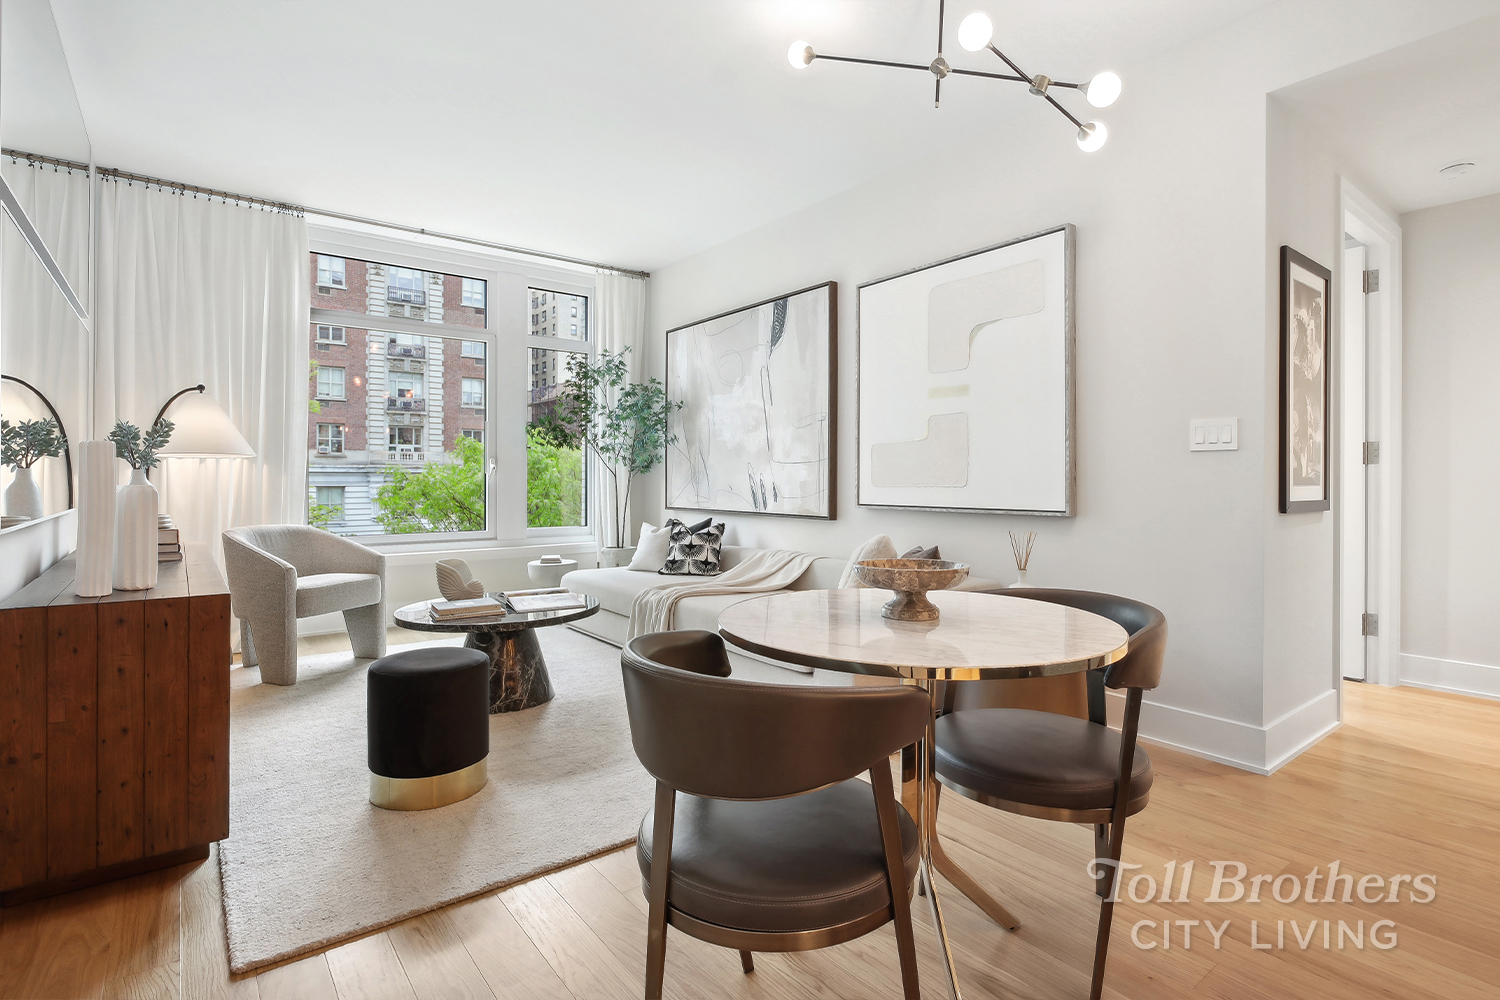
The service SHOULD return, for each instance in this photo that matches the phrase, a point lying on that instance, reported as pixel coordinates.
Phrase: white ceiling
(1403, 114)
(634, 133)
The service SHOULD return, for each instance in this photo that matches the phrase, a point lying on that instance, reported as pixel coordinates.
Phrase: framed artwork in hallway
(1304, 439)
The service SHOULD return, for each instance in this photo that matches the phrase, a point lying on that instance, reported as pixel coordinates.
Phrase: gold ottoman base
(427, 793)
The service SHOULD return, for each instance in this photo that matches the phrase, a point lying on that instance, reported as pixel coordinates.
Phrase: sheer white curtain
(193, 290)
(620, 322)
(45, 342)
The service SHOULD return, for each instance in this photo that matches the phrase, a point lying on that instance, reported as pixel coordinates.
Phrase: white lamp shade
(800, 55)
(975, 32)
(204, 430)
(1091, 137)
(1103, 90)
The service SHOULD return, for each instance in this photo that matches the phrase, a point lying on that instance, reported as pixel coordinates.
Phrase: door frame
(1371, 225)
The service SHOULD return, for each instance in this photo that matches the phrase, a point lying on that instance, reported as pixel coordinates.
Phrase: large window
(407, 423)
(555, 475)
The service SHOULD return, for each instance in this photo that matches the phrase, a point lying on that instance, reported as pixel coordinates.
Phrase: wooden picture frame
(758, 431)
(1305, 451)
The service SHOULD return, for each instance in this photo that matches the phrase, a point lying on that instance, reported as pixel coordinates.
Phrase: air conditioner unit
(323, 449)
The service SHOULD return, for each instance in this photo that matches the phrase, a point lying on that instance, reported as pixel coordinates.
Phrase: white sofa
(616, 590)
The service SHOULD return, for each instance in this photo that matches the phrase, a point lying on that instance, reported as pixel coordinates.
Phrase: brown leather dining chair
(1054, 766)
(762, 837)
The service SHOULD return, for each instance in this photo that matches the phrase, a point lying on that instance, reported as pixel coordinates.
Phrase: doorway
(1368, 516)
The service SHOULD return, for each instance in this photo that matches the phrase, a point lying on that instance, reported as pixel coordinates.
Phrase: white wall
(1451, 536)
(1173, 323)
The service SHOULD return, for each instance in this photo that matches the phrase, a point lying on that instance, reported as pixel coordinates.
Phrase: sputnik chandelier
(974, 33)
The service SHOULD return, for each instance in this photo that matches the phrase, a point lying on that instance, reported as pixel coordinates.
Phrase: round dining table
(977, 636)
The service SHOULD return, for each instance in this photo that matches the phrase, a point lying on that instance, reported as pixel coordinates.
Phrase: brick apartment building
(553, 315)
(388, 398)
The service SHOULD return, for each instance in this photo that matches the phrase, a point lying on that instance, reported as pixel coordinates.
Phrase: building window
(404, 284)
(473, 295)
(573, 332)
(474, 349)
(330, 272)
(472, 434)
(331, 499)
(403, 385)
(330, 383)
(404, 444)
(331, 334)
(473, 392)
(330, 439)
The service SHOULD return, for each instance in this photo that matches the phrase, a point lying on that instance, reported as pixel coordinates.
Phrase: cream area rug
(310, 862)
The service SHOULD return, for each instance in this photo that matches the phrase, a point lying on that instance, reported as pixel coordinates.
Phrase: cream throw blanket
(760, 572)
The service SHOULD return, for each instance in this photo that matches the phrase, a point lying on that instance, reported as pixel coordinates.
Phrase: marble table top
(977, 636)
(418, 617)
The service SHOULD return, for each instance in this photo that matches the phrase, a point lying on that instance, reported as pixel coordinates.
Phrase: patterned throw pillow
(693, 553)
(922, 553)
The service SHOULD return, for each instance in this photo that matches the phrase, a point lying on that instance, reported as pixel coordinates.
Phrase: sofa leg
(247, 645)
(366, 627)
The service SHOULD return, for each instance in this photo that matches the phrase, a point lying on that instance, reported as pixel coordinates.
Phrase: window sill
(423, 553)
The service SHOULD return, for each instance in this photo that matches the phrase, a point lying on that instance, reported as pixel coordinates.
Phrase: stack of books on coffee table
(168, 543)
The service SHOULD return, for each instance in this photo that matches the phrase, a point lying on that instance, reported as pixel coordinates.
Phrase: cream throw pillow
(651, 551)
(879, 547)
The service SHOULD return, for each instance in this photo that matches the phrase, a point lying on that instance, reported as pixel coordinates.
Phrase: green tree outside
(554, 483)
(442, 496)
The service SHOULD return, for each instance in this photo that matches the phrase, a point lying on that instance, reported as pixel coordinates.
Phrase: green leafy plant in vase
(136, 504)
(21, 446)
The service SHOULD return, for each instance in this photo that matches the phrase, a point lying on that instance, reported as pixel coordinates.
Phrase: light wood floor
(1409, 785)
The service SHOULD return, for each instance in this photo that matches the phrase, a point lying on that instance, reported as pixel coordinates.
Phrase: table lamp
(204, 430)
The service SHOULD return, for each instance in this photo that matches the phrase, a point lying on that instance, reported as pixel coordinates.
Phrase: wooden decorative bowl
(911, 579)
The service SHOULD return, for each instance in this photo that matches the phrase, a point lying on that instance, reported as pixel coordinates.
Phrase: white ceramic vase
(616, 555)
(135, 534)
(23, 497)
(96, 519)
(1020, 578)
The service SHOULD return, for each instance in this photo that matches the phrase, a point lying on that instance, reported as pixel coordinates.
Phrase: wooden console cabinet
(114, 728)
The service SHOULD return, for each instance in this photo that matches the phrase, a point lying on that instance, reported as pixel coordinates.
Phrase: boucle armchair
(281, 572)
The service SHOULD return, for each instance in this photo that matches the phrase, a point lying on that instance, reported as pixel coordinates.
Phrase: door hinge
(1372, 452)
(1369, 624)
(1372, 281)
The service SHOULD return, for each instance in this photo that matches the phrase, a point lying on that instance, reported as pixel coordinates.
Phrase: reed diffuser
(1020, 546)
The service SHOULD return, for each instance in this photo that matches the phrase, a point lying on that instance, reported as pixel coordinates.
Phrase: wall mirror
(45, 279)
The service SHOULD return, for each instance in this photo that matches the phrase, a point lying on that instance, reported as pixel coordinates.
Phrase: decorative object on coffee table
(136, 504)
(548, 570)
(456, 582)
(518, 672)
(23, 443)
(1020, 547)
(911, 579)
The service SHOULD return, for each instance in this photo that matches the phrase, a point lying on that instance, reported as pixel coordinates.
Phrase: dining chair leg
(661, 861)
(747, 962)
(895, 875)
(1117, 834)
(1101, 850)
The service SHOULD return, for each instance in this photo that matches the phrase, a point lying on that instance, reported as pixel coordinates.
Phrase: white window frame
(342, 338)
(471, 432)
(465, 352)
(506, 336)
(342, 505)
(465, 394)
(343, 383)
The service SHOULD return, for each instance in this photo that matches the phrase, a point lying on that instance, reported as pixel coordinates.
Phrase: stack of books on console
(168, 544)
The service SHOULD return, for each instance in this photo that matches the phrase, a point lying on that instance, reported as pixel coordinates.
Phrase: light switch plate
(1214, 434)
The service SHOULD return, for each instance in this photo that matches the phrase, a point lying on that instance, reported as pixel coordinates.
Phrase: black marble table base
(518, 673)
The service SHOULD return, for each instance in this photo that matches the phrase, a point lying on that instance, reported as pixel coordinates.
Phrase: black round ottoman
(429, 726)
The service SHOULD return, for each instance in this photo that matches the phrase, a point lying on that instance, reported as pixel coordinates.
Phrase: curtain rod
(280, 206)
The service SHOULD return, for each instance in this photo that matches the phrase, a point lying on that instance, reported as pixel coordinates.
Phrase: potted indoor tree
(21, 445)
(623, 423)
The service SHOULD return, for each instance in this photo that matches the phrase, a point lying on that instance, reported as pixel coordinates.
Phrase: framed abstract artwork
(756, 431)
(1304, 397)
(965, 375)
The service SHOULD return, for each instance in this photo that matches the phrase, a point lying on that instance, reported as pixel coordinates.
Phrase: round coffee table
(518, 672)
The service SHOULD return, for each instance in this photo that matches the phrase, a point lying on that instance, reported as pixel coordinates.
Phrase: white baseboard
(1478, 679)
(1261, 749)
